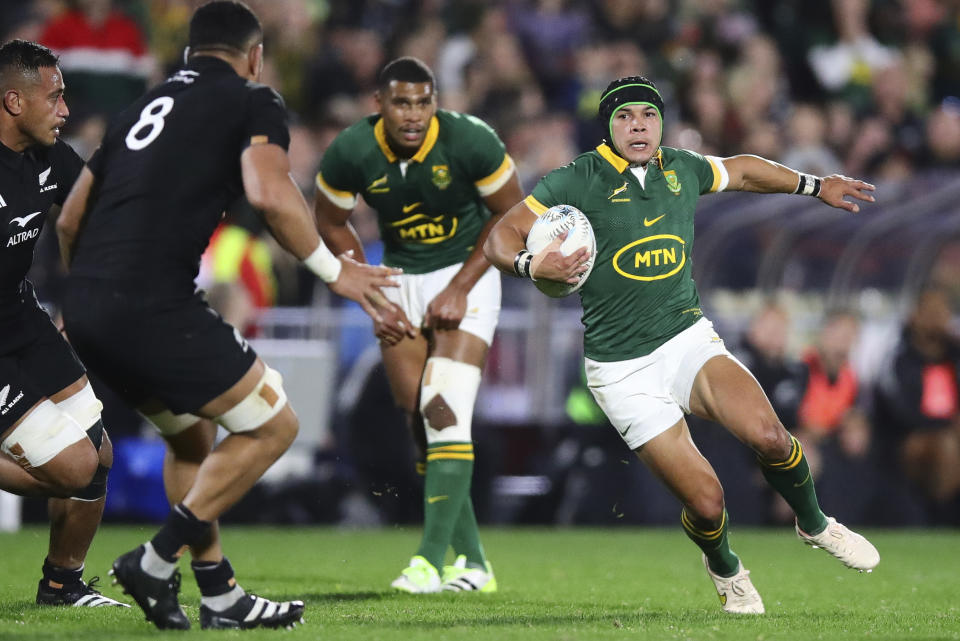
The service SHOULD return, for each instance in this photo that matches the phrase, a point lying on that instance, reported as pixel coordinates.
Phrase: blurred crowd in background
(865, 88)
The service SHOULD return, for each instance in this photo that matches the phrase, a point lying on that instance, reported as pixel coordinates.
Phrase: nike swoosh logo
(435, 499)
(647, 223)
(44, 175)
(410, 208)
(803, 482)
(26, 219)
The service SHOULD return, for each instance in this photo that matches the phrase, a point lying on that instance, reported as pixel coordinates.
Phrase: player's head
(228, 28)
(631, 112)
(32, 89)
(407, 101)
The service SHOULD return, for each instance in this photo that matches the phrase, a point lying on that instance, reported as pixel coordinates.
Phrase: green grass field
(554, 584)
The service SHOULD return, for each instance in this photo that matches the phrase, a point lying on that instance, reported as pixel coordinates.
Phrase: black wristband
(808, 186)
(521, 263)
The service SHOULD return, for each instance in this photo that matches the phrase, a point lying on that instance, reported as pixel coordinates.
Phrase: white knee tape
(263, 403)
(457, 384)
(170, 424)
(84, 407)
(41, 435)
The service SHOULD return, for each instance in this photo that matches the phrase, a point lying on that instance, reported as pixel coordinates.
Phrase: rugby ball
(549, 225)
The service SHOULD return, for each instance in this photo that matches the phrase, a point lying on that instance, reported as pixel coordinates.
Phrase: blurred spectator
(943, 135)
(848, 65)
(917, 412)
(763, 350)
(340, 81)
(829, 414)
(807, 150)
(103, 55)
(236, 270)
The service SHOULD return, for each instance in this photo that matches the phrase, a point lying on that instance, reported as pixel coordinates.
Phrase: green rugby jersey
(430, 216)
(641, 292)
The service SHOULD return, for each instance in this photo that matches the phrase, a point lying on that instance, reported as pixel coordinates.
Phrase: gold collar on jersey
(433, 131)
(618, 162)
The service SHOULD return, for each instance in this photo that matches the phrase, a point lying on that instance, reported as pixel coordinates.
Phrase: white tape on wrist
(808, 185)
(324, 264)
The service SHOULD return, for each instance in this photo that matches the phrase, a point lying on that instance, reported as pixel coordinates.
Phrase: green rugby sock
(714, 543)
(791, 478)
(466, 535)
(449, 471)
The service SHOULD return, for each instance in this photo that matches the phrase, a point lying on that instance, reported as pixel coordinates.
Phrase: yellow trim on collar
(433, 132)
(619, 163)
(381, 136)
(611, 157)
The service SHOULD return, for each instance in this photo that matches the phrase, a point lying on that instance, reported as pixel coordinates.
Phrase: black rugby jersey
(165, 172)
(30, 184)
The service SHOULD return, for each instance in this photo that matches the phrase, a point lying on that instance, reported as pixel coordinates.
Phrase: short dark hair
(406, 69)
(25, 59)
(224, 24)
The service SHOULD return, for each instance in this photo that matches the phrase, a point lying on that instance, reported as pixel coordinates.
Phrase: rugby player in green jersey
(651, 356)
(438, 181)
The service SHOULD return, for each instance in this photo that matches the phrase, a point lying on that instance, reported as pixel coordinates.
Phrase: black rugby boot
(156, 597)
(253, 611)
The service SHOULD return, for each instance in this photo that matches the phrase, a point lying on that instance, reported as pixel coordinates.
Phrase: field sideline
(567, 584)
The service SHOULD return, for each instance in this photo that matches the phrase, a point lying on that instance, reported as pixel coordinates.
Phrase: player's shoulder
(59, 152)
(673, 155)
(581, 167)
(458, 126)
(262, 93)
(356, 140)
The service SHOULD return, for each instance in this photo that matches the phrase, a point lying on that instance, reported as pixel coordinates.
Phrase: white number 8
(152, 117)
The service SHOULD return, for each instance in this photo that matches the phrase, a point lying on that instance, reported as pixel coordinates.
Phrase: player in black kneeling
(132, 231)
(53, 440)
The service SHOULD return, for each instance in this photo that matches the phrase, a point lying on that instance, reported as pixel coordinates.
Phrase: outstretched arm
(756, 174)
(390, 325)
(271, 189)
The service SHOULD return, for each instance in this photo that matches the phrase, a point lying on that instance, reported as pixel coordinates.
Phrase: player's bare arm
(333, 222)
(270, 188)
(756, 174)
(390, 324)
(71, 216)
(448, 308)
(508, 238)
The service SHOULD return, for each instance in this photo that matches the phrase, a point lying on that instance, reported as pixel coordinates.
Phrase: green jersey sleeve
(485, 160)
(556, 188)
(338, 178)
(708, 170)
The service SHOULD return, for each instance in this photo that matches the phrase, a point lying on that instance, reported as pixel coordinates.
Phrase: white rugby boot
(420, 577)
(737, 594)
(459, 578)
(850, 548)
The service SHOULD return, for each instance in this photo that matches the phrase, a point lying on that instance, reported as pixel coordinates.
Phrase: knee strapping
(84, 407)
(41, 435)
(170, 424)
(262, 404)
(447, 395)
(97, 489)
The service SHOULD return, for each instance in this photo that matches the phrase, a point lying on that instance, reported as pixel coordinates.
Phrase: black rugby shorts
(173, 349)
(36, 369)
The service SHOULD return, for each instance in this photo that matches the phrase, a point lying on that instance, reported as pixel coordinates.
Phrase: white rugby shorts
(483, 301)
(643, 397)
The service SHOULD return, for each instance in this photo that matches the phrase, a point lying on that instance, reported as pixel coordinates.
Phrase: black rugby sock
(181, 528)
(57, 577)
